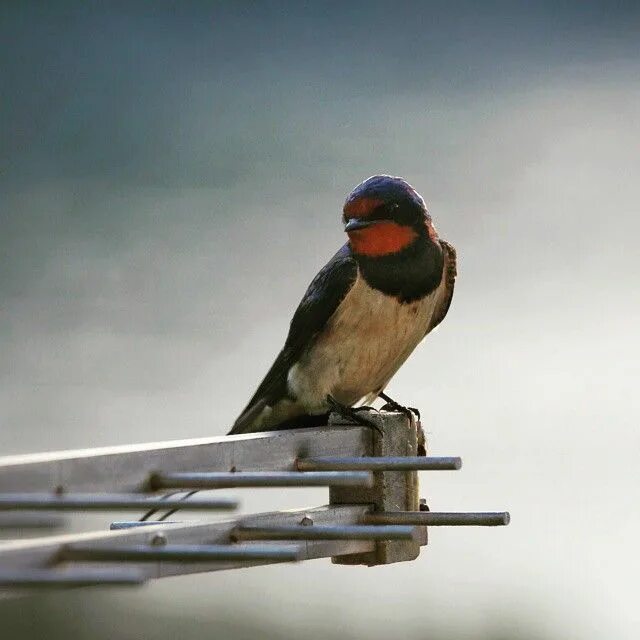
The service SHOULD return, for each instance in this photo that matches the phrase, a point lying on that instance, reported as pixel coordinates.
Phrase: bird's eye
(392, 206)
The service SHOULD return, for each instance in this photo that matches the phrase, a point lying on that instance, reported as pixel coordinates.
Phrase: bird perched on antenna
(362, 315)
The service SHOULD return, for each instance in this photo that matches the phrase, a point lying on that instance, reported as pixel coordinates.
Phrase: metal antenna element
(47, 578)
(181, 553)
(326, 532)
(107, 502)
(28, 520)
(436, 519)
(381, 463)
(221, 480)
(132, 524)
(374, 513)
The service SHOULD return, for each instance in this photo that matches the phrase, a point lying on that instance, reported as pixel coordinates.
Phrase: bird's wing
(322, 298)
(445, 293)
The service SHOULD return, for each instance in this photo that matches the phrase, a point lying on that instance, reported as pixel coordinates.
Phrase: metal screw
(159, 540)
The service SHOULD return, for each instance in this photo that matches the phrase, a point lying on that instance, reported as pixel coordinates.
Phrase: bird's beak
(353, 224)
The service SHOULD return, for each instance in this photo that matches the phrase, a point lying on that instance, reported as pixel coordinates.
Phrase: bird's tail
(252, 420)
(247, 419)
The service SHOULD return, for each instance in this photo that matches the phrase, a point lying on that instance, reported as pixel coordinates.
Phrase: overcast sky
(171, 179)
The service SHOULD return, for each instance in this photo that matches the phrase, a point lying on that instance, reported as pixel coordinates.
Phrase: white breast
(369, 337)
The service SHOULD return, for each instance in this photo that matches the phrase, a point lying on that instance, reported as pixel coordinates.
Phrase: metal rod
(125, 468)
(48, 551)
(219, 480)
(31, 521)
(383, 463)
(33, 578)
(132, 524)
(182, 553)
(101, 502)
(440, 519)
(325, 532)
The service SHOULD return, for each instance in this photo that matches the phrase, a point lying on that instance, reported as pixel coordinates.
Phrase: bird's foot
(351, 413)
(412, 413)
(363, 407)
(392, 405)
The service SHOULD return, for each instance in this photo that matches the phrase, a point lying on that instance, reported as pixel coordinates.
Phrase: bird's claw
(392, 405)
(364, 407)
(410, 412)
(351, 413)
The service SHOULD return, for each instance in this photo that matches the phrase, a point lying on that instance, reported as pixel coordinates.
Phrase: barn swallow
(362, 315)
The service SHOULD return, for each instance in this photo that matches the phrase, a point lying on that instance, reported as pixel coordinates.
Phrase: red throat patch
(381, 239)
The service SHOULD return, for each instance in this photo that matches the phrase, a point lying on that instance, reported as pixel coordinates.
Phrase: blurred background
(172, 176)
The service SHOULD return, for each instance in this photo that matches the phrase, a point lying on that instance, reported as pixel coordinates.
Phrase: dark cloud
(205, 94)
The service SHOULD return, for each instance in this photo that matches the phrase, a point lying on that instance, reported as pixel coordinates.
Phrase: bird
(362, 315)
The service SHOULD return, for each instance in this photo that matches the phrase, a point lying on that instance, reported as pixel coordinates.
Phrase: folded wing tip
(247, 418)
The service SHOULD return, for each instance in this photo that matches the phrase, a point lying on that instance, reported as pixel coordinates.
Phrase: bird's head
(385, 215)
